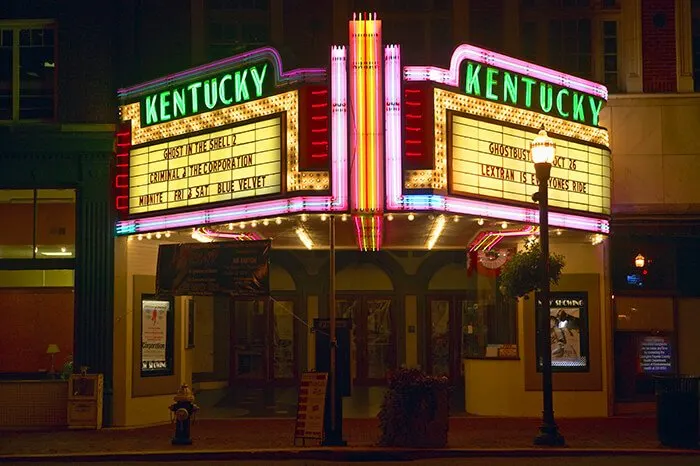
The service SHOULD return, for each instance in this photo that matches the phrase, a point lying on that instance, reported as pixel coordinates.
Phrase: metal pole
(548, 434)
(332, 337)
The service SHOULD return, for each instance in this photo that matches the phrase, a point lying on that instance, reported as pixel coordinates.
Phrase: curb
(342, 454)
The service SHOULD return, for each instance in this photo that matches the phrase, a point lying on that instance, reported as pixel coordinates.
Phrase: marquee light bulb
(253, 224)
(130, 238)
(411, 217)
(242, 225)
(558, 232)
(344, 217)
(390, 217)
(230, 226)
(140, 237)
(266, 222)
(148, 235)
(504, 225)
(158, 235)
(324, 217)
(304, 217)
(480, 221)
(167, 234)
(278, 221)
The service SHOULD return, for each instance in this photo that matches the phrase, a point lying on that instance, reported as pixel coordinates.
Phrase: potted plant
(415, 410)
(522, 273)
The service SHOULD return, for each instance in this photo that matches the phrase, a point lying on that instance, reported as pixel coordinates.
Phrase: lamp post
(543, 150)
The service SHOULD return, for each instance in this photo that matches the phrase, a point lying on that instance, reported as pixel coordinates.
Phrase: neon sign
(510, 88)
(228, 87)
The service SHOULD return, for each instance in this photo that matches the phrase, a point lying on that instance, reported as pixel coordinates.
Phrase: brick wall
(659, 45)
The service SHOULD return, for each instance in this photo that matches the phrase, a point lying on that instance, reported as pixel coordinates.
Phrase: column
(632, 45)
(684, 46)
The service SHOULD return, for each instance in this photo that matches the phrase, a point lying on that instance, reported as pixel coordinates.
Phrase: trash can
(677, 411)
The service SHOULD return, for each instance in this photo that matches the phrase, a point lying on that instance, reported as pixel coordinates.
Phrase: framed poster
(157, 331)
(568, 325)
(655, 355)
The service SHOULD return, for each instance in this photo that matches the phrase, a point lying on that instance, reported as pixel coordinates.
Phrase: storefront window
(43, 224)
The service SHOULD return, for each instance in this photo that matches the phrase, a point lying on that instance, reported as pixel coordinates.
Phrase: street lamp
(543, 150)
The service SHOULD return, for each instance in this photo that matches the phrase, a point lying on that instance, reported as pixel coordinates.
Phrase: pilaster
(632, 45)
(684, 46)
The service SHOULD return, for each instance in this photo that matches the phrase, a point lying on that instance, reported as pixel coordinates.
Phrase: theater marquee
(239, 162)
(494, 160)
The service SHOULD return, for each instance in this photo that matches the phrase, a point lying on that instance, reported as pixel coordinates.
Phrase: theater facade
(418, 178)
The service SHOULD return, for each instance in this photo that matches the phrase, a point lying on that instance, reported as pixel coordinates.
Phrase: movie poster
(568, 325)
(154, 335)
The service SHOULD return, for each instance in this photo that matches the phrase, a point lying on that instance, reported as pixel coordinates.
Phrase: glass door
(453, 334)
(263, 343)
(284, 344)
(249, 341)
(373, 351)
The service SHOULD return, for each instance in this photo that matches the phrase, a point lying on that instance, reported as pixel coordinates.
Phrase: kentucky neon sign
(507, 87)
(229, 87)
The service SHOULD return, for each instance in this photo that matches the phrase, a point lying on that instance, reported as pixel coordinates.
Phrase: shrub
(415, 410)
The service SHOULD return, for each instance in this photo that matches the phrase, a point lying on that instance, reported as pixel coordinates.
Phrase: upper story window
(696, 43)
(27, 70)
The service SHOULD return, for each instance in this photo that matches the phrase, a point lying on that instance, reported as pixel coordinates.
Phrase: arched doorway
(264, 335)
(365, 294)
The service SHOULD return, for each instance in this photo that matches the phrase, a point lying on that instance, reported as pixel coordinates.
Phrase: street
(649, 460)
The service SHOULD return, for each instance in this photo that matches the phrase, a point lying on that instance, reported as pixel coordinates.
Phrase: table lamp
(52, 350)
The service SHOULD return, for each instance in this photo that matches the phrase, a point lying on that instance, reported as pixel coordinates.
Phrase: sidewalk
(272, 439)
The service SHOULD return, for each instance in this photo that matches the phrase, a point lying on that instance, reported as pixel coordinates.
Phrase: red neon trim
(319, 105)
(124, 165)
(319, 143)
(411, 128)
(319, 156)
(411, 115)
(324, 91)
(322, 130)
(125, 133)
(319, 118)
(117, 181)
(413, 141)
(413, 91)
(119, 205)
(413, 104)
(414, 154)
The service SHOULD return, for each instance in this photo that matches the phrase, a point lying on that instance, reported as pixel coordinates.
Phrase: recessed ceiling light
(411, 217)
(480, 221)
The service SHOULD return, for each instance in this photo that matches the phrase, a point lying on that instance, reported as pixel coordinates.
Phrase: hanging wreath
(522, 273)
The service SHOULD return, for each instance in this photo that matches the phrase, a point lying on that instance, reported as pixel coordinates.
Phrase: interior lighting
(304, 238)
(438, 226)
(411, 217)
(639, 261)
(597, 239)
(61, 253)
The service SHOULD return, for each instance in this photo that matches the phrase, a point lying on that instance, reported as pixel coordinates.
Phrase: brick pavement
(633, 433)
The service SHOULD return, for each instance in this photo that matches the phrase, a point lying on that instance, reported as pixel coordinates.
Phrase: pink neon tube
(392, 84)
(487, 57)
(339, 136)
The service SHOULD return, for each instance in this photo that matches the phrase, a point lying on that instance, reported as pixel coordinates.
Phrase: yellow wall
(497, 387)
(688, 325)
(139, 258)
(203, 334)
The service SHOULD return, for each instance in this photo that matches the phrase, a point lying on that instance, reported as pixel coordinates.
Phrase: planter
(415, 411)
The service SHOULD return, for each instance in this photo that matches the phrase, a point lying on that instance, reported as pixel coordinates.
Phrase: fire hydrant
(182, 413)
